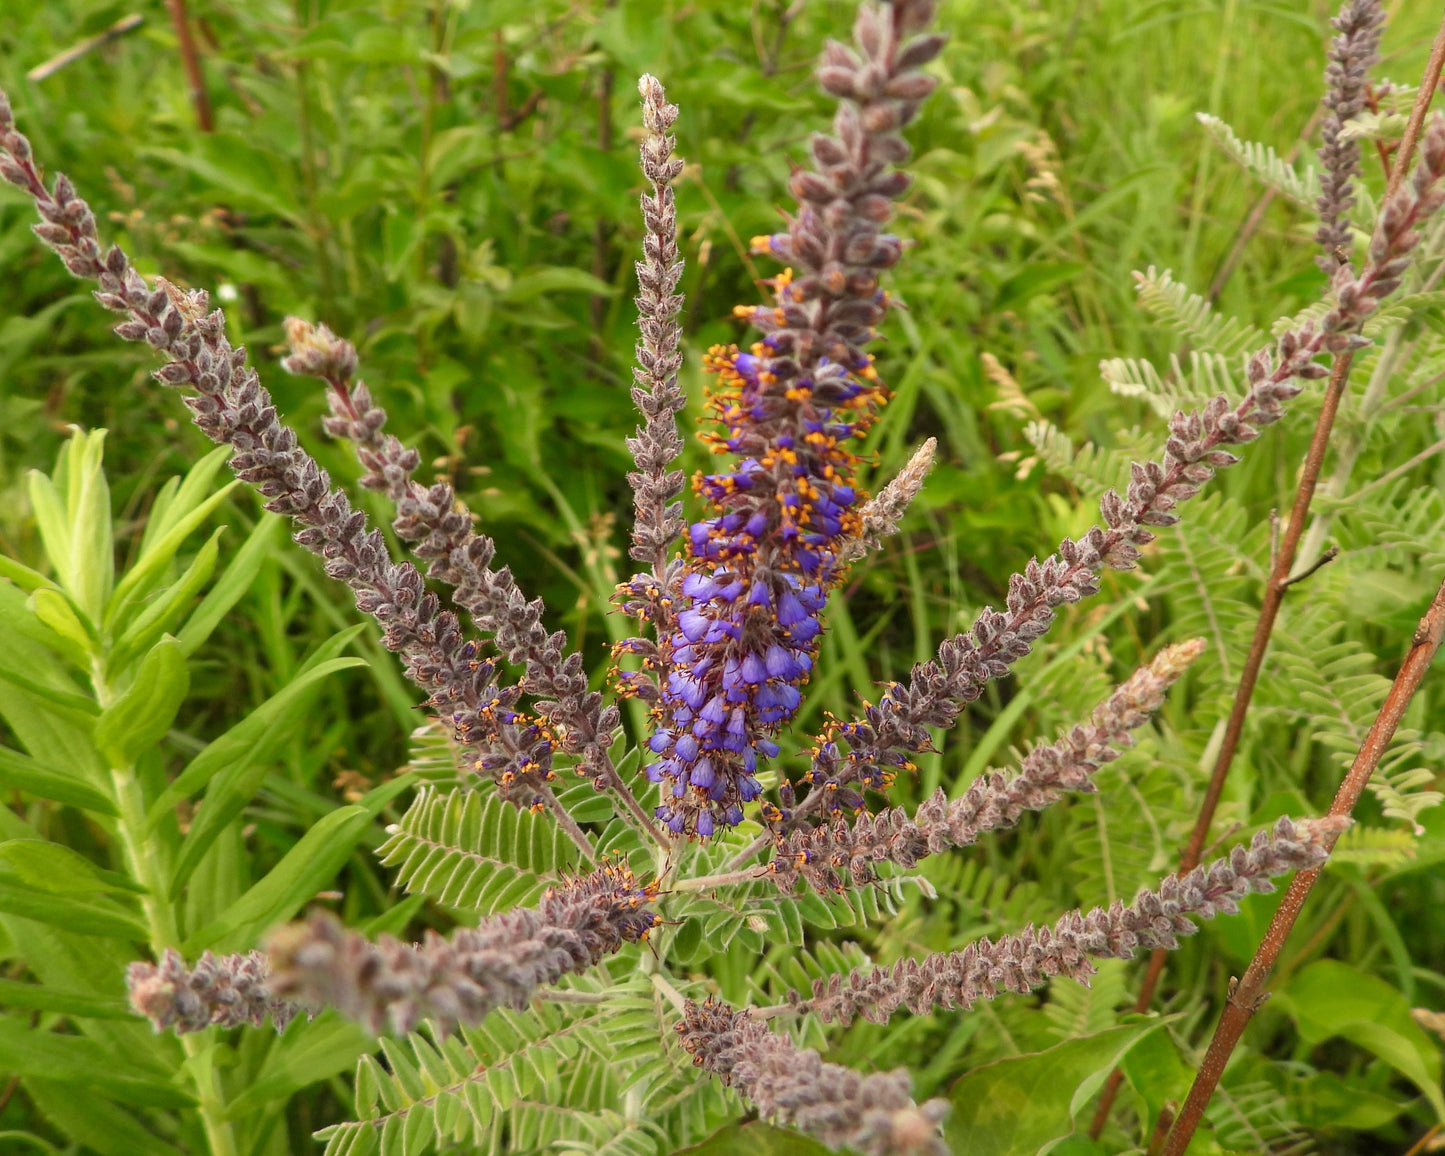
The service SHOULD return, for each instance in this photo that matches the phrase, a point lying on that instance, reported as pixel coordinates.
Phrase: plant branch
(50, 67)
(192, 61)
(1248, 994)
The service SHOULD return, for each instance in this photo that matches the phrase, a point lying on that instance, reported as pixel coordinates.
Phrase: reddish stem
(1248, 994)
(192, 61)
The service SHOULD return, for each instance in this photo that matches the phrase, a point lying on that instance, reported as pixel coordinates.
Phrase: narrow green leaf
(310, 1053)
(317, 856)
(141, 578)
(97, 1123)
(23, 577)
(64, 700)
(92, 548)
(55, 868)
(234, 581)
(20, 772)
(139, 719)
(55, 610)
(49, 510)
(15, 993)
(162, 613)
(179, 497)
(49, 1056)
(252, 740)
(97, 917)
(230, 792)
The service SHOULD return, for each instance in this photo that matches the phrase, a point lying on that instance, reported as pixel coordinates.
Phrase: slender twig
(1423, 97)
(1277, 585)
(1323, 560)
(725, 879)
(89, 44)
(1247, 995)
(1421, 1144)
(192, 61)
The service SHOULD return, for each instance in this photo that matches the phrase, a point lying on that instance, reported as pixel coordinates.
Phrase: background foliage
(452, 186)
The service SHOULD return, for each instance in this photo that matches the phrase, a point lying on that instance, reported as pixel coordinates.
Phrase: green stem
(145, 869)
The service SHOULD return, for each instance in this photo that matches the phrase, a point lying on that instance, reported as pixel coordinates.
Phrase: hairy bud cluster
(872, 1114)
(1021, 963)
(828, 855)
(1351, 55)
(460, 978)
(220, 991)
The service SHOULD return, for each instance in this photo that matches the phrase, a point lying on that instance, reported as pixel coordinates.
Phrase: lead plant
(733, 604)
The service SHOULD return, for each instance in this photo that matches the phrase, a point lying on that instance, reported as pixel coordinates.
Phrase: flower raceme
(746, 620)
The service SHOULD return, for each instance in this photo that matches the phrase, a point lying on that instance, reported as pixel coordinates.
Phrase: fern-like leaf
(1303, 189)
(473, 851)
(1209, 374)
(1089, 468)
(1379, 847)
(1192, 317)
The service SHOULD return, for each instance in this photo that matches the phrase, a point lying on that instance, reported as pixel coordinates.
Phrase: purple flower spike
(784, 517)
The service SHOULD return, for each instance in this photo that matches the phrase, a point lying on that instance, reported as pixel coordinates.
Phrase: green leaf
(311, 1052)
(55, 610)
(1329, 998)
(55, 868)
(554, 279)
(254, 739)
(95, 1122)
(48, 1056)
(138, 720)
(180, 497)
(1155, 1069)
(168, 605)
(97, 917)
(64, 700)
(250, 176)
(1013, 1107)
(234, 581)
(23, 577)
(231, 790)
(72, 512)
(317, 856)
(38, 997)
(141, 578)
(20, 772)
(756, 1139)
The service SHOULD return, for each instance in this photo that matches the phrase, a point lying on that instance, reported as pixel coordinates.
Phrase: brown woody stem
(1247, 995)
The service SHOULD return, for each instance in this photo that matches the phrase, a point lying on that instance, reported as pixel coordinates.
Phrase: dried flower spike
(992, 801)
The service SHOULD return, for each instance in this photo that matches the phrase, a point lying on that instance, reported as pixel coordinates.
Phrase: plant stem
(1248, 994)
(194, 77)
(726, 879)
(1275, 588)
(145, 869)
